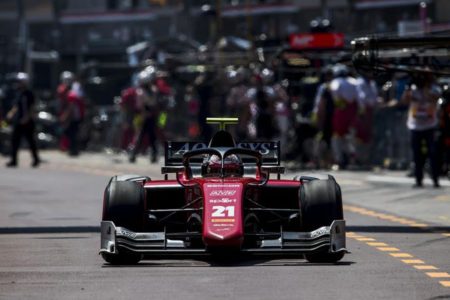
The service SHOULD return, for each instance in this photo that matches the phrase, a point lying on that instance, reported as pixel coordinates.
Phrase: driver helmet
(232, 166)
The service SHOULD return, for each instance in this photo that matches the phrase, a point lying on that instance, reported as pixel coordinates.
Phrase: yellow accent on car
(222, 122)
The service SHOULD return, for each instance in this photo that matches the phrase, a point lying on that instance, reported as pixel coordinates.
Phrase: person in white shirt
(345, 95)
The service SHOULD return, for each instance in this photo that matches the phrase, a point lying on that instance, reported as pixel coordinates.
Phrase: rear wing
(174, 151)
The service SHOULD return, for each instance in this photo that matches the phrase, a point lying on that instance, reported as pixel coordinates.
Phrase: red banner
(302, 41)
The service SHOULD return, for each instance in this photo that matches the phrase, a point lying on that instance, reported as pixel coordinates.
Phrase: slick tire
(320, 205)
(124, 204)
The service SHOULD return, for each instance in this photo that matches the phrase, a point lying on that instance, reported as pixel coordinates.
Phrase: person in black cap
(21, 117)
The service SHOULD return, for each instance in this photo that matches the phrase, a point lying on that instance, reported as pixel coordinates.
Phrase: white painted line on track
(403, 180)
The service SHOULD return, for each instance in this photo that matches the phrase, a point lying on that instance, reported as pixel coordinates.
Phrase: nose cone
(222, 214)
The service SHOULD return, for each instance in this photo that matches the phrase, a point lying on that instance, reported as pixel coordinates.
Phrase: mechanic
(21, 116)
(345, 96)
(73, 115)
(282, 113)
(204, 87)
(237, 103)
(444, 125)
(128, 111)
(147, 104)
(262, 99)
(62, 91)
(422, 97)
(323, 117)
(368, 99)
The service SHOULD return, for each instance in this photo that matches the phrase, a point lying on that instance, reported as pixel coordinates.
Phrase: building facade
(83, 30)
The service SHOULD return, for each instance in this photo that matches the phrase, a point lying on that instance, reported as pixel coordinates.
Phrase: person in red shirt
(66, 80)
(128, 110)
(73, 115)
(148, 107)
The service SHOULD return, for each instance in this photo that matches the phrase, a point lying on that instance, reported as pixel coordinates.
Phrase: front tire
(320, 205)
(124, 204)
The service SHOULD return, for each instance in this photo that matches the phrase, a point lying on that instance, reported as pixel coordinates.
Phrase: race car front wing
(115, 238)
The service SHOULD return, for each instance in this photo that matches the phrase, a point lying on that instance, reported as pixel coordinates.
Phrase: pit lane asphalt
(49, 243)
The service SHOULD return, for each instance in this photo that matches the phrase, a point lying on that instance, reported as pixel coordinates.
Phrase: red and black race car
(222, 200)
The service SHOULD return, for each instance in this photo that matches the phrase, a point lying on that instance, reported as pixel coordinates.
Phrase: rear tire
(320, 205)
(124, 204)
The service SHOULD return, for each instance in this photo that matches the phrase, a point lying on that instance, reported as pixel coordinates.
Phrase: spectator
(21, 116)
(422, 97)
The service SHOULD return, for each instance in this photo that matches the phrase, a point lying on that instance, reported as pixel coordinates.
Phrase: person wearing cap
(21, 116)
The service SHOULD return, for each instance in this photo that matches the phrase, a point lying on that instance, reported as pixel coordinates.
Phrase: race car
(222, 201)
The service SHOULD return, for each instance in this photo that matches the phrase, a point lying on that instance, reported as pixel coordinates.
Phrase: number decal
(223, 211)
(230, 210)
(218, 211)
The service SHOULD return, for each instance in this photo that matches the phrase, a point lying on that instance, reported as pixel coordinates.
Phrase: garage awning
(112, 17)
(254, 10)
(371, 4)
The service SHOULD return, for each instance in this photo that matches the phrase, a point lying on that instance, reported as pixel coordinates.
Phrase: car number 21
(223, 211)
